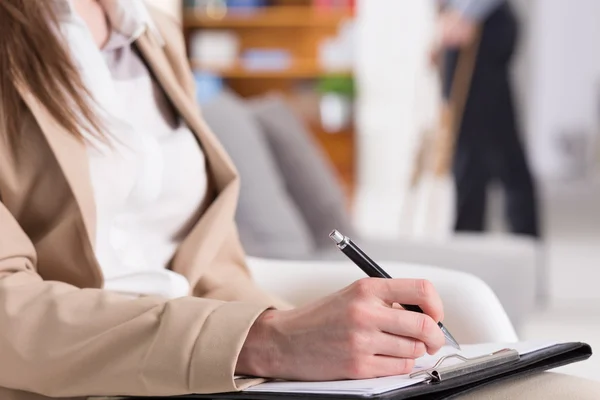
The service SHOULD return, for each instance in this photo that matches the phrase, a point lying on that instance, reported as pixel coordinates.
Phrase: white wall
(393, 41)
(561, 89)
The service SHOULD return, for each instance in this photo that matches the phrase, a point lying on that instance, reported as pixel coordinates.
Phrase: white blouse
(150, 182)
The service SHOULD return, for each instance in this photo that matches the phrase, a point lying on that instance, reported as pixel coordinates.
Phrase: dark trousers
(488, 145)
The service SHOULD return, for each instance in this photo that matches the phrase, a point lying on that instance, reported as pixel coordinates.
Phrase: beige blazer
(61, 335)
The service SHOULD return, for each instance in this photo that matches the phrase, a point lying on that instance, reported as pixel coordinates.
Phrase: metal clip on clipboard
(439, 373)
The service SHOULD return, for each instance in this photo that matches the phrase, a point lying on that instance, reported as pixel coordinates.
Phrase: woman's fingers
(418, 292)
(385, 344)
(412, 325)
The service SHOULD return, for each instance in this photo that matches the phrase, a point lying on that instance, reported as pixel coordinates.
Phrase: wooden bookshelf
(297, 27)
(269, 17)
(299, 69)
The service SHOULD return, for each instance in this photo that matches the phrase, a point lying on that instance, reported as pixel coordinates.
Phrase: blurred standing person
(488, 144)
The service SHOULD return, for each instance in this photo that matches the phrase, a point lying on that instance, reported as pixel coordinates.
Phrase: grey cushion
(309, 177)
(269, 223)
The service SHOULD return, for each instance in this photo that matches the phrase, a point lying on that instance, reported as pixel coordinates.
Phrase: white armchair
(473, 313)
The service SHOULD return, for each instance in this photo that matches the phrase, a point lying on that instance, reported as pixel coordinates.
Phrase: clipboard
(441, 373)
(442, 381)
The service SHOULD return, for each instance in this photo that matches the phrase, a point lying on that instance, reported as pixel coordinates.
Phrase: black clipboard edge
(529, 364)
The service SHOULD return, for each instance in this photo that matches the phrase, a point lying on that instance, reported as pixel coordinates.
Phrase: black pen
(370, 267)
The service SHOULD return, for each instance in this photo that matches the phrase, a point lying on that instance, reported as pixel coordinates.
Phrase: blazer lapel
(206, 238)
(221, 167)
(71, 156)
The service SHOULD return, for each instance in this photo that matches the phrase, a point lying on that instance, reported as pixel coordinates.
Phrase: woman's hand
(456, 30)
(353, 334)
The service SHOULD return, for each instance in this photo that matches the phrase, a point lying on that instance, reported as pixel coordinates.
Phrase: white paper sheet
(367, 387)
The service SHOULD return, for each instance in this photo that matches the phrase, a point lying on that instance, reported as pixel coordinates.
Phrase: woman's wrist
(259, 355)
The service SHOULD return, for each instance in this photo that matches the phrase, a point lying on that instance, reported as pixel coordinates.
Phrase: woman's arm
(229, 278)
(62, 341)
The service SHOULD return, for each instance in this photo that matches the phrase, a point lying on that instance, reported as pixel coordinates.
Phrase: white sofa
(473, 312)
(510, 265)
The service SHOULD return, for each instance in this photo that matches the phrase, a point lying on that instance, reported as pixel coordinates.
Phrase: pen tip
(452, 343)
(450, 339)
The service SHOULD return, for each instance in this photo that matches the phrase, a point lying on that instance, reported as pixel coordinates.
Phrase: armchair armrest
(509, 264)
(473, 313)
